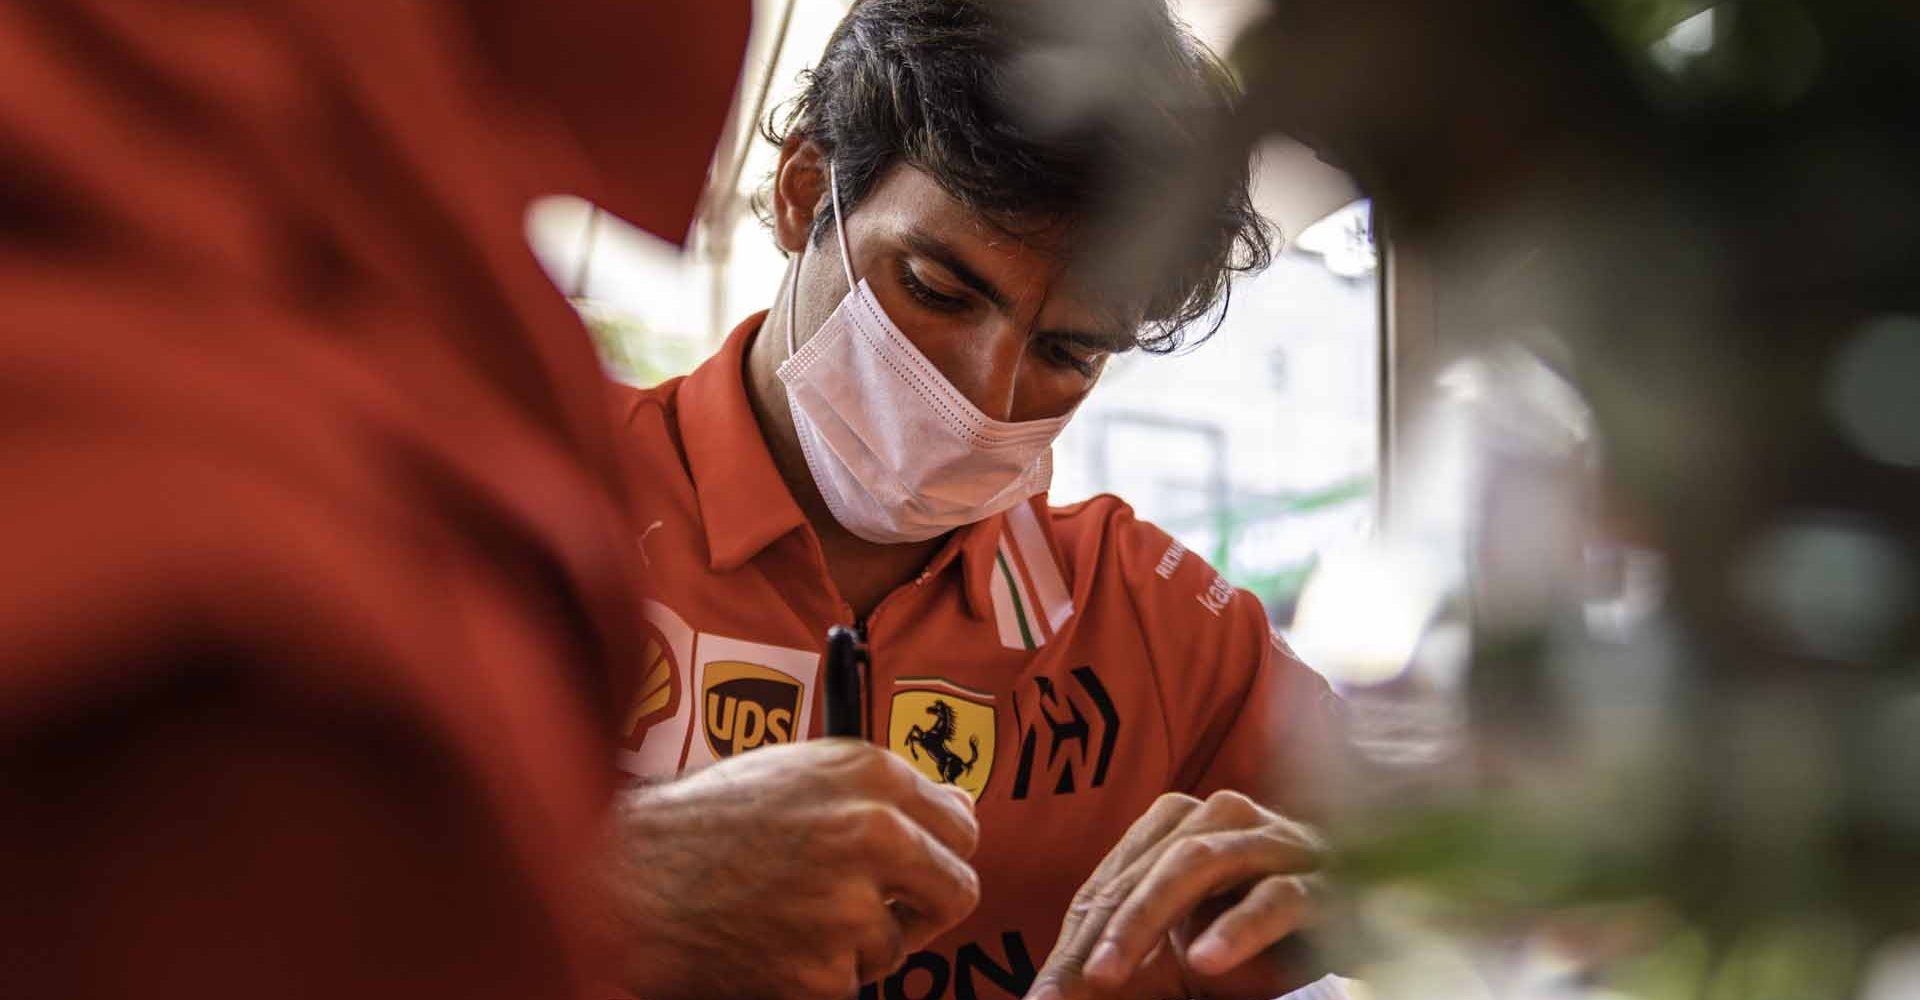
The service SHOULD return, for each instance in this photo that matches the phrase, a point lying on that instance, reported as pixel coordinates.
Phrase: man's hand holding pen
(800, 871)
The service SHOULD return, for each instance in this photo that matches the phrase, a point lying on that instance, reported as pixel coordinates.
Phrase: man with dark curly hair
(959, 191)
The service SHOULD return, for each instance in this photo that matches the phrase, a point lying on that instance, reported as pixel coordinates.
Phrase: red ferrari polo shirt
(1065, 666)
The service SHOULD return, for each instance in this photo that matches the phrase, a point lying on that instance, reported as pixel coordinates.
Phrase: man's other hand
(797, 871)
(1195, 901)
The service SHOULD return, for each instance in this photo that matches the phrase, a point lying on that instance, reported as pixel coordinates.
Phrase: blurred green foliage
(1766, 52)
(1637, 24)
(1703, 221)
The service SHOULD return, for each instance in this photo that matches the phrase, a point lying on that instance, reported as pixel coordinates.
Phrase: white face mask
(900, 454)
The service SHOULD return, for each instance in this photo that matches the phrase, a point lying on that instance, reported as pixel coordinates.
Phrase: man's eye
(925, 295)
(1066, 354)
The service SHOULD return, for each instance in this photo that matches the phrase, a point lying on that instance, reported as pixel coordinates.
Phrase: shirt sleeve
(263, 741)
(1242, 711)
(208, 838)
(1279, 741)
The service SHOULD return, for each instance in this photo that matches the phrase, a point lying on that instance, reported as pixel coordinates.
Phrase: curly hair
(970, 92)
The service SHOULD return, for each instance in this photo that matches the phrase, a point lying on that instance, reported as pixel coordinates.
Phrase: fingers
(945, 811)
(1193, 868)
(908, 839)
(1102, 964)
(902, 889)
(881, 948)
(1080, 930)
(926, 872)
(1273, 909)
(1166, 815)
(1106, 888)
(931, 887)
(1179, 855)
(934, 899)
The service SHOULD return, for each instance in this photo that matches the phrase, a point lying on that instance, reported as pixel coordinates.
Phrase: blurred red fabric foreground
(314, 566)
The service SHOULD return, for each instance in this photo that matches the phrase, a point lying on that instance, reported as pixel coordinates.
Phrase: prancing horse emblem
(937, 742)
(955, 744)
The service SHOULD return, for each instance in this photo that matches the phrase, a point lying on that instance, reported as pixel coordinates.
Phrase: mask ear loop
(793, 293)
(840, 226)
(846, 256)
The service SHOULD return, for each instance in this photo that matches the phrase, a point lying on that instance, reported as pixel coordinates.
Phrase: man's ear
(799, 192)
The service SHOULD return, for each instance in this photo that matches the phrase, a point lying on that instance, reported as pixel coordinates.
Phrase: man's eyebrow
(1114, 341)
(937, 250)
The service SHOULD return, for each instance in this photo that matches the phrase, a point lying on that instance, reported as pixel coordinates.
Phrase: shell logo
(658, 694)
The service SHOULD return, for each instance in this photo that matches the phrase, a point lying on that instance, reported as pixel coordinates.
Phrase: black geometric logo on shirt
(1078, 727)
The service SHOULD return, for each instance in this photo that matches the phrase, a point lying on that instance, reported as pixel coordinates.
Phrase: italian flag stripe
(1013, 591)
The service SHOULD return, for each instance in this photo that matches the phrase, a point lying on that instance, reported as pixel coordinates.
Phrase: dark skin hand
(1199, 899)
(796, 872)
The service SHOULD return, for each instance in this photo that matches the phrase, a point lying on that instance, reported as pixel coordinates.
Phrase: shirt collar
(744, 504)
(1033, 553)
(976, 552)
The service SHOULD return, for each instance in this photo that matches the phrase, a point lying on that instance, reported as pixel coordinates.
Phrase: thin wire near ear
(840, 224)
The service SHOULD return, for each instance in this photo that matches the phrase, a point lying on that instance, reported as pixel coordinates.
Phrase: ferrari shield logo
(945, 731)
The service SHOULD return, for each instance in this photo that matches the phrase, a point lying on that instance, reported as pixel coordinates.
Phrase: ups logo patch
(748, 705)
(945, 731)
